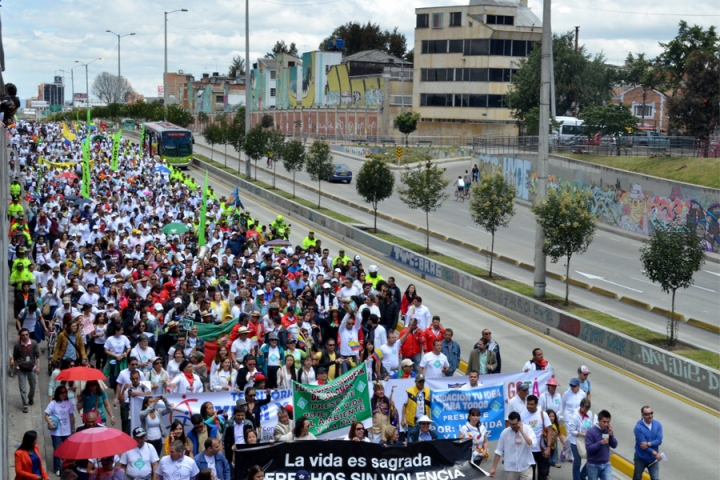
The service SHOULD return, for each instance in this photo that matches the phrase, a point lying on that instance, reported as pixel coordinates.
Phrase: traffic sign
(399, 152)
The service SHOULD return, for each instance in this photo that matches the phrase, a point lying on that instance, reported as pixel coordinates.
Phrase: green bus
(128, 124)
(174, 144)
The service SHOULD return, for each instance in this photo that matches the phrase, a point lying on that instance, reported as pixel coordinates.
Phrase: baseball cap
(584, 370)
(523, 387)
(420, 378)
(574, 382)
(139, 432)
(406, 363)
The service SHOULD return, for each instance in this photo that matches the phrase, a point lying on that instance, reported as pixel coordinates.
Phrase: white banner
(185, 405)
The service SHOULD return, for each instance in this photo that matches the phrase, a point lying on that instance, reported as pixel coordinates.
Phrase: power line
(633, 13)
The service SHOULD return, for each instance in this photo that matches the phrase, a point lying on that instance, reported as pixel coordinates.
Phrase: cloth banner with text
(185, 405)
(332, 407)
(450, 408)
(339, 460)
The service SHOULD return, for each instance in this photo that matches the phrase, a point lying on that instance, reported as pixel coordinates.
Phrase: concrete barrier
(666, 313)
(625, 467)
(578, 283)
(636, 303)
(556, 276)
(604, 293)
(526, 266)
(647, 361)
(704, 325)
(509, 260)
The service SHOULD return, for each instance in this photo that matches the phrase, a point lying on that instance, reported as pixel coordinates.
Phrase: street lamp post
(87, 83)
(248, 93)
(165, 85)
(119, 37)
(72, 80)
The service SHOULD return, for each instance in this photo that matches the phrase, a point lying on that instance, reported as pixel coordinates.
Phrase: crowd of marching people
(169, 289)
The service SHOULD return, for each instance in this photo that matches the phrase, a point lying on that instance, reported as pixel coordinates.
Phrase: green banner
(335, 405)
(142, 140)
(210, 331)
(115, 150)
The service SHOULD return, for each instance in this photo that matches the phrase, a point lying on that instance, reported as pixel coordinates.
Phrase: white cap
(158, 307)
(326, 285)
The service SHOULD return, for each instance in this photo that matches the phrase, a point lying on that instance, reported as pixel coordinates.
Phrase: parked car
(650, 138)
(340, 173)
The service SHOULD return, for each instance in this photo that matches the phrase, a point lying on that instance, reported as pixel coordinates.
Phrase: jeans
(578, 474)
(416, 361)
(57, 440)
(23, 379)
(641, 465)
(410, 430)
(345, 366)
(125, 417)
(555, 455)
(601, 471)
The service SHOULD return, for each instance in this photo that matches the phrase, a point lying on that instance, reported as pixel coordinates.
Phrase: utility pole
(87, 84)
(4, 294)
(72, 80)
(577, 48)
(165, 83)
(539, 280)
(577, 37)
(248, 93)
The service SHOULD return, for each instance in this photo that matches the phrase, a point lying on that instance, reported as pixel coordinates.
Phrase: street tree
(236, 132)
(255, 145)
(281, 47)
(223, 132)
(646, 74)
(581, 80)
(696, 106)
(110, 88)
(293, 159)
(492, 205)
(213, 136)
(275, 148)
(202, 119)
(407, 124)
(613, 120)
(318, 163)
(569, 226)
(670, 256)
(676, 52)
(374, 183)
(267, 121)
(424, 189)
(237, 67)
(175, 114)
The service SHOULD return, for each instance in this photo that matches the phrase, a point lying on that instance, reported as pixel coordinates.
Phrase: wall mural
(342, 91)
(632, 208)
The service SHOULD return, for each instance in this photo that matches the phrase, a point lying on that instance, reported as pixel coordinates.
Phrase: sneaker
(57, 473)
(557, 465)
(25, 409)
(31, 402)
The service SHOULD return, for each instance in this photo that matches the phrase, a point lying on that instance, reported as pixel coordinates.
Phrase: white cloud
(44, 36)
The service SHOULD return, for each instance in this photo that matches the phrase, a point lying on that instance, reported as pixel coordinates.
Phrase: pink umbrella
(98, 442)
(80, 373)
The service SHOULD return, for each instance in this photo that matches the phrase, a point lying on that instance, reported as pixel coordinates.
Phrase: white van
(570, 128)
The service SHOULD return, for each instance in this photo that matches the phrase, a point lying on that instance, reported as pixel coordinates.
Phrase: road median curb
(605, 293)
(704, 325)
(526, 266)
(636, 303)
(578, 283)
(512, 261)
(625, 466)
(666, 313)
(556, 276)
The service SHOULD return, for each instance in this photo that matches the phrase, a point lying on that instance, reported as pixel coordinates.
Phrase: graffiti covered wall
(625, 200)
(360, 122)
(343, 91)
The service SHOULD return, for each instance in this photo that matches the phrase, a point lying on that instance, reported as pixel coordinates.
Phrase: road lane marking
(477, 229)
(557, 342)
(712, 273)
(603, 279)
(703, 288)
(611, 253)
(526, 229)
(645, 281)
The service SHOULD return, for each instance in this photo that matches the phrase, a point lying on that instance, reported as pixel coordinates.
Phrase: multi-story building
(649, 106)
(465, 57)
(53, 93)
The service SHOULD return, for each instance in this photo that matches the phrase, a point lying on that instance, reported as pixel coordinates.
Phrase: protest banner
(338, 460)
(331, 408)
(185, 405)
(449, 410)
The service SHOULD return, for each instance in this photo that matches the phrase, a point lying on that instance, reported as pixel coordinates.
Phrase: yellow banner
(61, 164)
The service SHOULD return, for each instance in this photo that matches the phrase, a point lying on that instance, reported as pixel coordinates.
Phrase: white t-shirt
(62, 410)
(273, 358)
(390, 359)
(183, 469)
(535, 421)
(139, 460)
(116, 346)
(515, 404)
(434, 364)
(241, 348)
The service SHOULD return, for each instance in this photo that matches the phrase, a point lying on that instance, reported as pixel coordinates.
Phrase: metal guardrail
(636, 146)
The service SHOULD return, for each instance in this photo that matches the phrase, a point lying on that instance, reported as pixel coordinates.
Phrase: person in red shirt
(434, 332)
(411, 339)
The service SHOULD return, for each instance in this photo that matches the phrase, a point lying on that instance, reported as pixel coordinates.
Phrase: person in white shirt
(473, 376)
(241, 346)
(380, 334)
(577, 426)
(537, 362)
(551, 400)
(391, 353)
(420, 312)
(348, 333)
(518, 403)
(143, 353)
(515, 445)
(571, 400)
(186, 381)
(434, 364)
(176, 466)
(347, 289)
(539, 421)
(141, 460)
(370, 303)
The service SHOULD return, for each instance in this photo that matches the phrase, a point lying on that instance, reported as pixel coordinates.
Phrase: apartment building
(465, 57)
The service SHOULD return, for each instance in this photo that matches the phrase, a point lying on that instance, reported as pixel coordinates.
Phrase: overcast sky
(42, 37)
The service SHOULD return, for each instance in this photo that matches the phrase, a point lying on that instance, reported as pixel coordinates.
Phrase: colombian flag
(355, 346)
(68, 135)
(378, 355)
(301, 341)
(254, 341)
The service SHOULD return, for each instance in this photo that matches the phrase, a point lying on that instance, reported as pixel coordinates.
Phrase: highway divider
(649, 362)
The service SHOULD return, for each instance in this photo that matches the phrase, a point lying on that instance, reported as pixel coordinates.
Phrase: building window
(462, 100)
(273, 74)
(455, 19)
(434, 46)
(500, 20)
(219, 99)
(436, 100)
(423, 20)
(272, 92)
(496, 101)
(638, 110)
(291, 64)
(437, 20)
(398, 100)
(477, 47)
(455, 46)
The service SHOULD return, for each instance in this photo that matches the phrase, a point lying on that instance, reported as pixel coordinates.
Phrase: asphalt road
(691, 432)
(614, 259)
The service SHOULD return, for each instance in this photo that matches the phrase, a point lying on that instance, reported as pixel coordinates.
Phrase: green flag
(115, 150)
(335, 405)
(142, 139)
(85, 191)
(77, 117)
(203, 211)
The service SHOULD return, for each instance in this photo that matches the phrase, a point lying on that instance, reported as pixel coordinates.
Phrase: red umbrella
(69, 175)
(98, 442)
(77, 374)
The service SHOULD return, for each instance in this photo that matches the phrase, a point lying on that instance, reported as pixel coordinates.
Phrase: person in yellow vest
(20, 275)
(373, 276)
(15, 208)
(15, 188)
(417, 405)
(21, 258)
(309, 241)
(341, 256)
